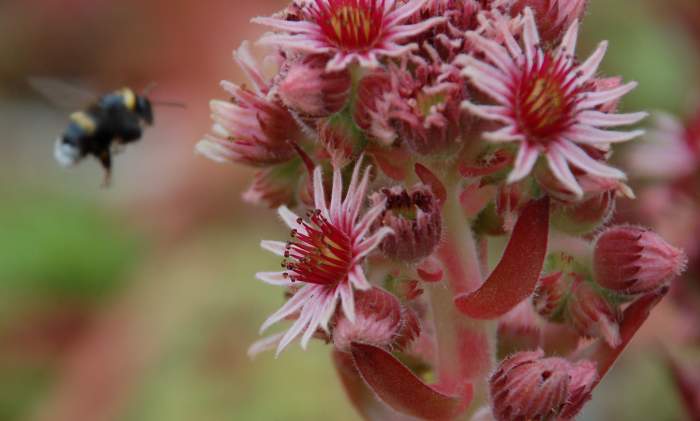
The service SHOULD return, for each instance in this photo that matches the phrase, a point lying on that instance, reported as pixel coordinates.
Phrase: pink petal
(560, 169)
(526, 159)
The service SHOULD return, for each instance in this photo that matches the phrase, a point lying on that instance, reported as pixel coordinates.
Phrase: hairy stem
(464, 345)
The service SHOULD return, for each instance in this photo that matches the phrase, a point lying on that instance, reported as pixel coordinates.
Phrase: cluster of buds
(396, 138)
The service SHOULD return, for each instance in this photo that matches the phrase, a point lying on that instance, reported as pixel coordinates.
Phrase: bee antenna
(172, 104)
(149, 88)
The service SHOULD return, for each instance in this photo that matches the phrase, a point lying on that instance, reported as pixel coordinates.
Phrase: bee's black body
(114, 119)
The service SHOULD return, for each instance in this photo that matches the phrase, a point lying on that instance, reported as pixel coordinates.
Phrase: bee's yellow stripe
(83, 120)
(129, 98)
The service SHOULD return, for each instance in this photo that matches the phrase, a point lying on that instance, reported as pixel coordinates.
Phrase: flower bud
(584, 217)
(528, 386)
(592, 315)
(583, 378)
(550, 295)
(428, 113)
(375, 96)
(415, 218)
(311, 91)
(250, 130)
(274, 186)
(553, 17)
(634, 260)
(340, 138)
(380, 320)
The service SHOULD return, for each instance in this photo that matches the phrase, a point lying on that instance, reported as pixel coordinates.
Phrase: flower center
(351, 25)
(323, 255)
(544, 100)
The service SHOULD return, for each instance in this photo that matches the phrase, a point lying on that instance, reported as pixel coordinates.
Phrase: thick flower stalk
(397, 139)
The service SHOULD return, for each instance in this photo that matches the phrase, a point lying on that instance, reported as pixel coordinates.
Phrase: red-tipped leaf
(634, 316)
(516, 275)
(360, 395)
(402, 390)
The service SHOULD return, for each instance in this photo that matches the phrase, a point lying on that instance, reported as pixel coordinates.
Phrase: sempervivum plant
(397, 139)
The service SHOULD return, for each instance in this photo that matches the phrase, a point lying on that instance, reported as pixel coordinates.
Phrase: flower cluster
(395, 139)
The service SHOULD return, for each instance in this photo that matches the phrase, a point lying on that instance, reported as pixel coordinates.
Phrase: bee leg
(106, 161)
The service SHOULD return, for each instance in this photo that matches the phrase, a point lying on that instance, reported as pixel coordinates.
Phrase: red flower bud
(380, 320)
(550, 294)
(635, 260)
(307, 88)
(415, 218)
(527, 386)
(553, 17)
(591, 314)
(583, 378)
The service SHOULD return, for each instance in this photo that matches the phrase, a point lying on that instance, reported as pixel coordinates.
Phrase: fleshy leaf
(634, 316)
(360, 395)
(602, 354)
(402, 390)
(430, 179)
(516, 275)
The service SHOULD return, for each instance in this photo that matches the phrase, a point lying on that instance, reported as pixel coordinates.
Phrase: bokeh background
(138, 302)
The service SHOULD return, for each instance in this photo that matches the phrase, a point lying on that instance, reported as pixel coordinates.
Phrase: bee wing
(63, 94)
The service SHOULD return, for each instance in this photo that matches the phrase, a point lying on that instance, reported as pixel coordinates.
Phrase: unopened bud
(583, 378)
(553, 17)
(340, 138)
(550, 295)
(380, 320)
(311, 91)
(415, 218)
(592, 315)
(634, 260)
(528, 386)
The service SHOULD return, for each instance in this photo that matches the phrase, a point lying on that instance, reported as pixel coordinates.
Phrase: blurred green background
(138, 302)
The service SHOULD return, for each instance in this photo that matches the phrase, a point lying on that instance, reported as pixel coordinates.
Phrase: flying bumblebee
(103, 127)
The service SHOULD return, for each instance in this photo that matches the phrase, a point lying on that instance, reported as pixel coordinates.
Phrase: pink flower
(350, 30)
(252, 128)
(671, 150)
(323, 260)
(547, 102)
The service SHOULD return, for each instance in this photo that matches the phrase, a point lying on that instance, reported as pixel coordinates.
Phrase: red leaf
(361, 396)
(634, 316)
(427, 177)
(402, 390)
(516, 275)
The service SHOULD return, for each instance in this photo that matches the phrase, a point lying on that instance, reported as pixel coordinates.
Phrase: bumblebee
(100, 129)
(114, 120)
